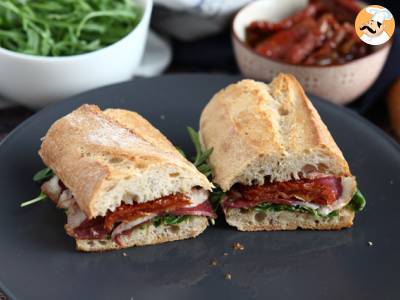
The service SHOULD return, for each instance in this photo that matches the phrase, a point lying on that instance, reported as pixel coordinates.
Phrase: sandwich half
(275, 159)
(121, 182)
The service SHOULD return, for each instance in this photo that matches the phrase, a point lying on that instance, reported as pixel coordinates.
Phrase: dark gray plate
(38, 260)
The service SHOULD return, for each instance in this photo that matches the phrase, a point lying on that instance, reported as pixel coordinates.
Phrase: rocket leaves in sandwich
(43, 175)
(292, 208)
(200, 160)
(172, 220)
(168, 220)
(216, 196)
(334, 213)
(358, 202)
(157, 221)
(42, 196)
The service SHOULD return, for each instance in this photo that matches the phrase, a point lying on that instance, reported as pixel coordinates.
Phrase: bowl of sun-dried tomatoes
(314, 40)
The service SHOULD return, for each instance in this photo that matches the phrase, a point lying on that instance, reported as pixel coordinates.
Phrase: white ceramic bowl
(36, 81)
(337, 83)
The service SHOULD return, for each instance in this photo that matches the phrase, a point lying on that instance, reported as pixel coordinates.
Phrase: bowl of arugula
(51, 50)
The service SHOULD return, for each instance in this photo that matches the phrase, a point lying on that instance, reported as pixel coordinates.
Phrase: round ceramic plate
(38, 260)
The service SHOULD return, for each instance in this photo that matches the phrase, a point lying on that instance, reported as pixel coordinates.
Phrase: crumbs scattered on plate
(162, 117)
(238, 246)
(370, 244)
(214, 262)
(124, 254)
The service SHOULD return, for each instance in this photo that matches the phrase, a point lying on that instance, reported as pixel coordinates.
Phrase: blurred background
(194, 36)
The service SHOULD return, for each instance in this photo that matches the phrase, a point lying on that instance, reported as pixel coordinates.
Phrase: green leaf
(181, 152)
(204, 168)
(76, 26)
(42, 196)
(157, 221)
(194, 136)
(172, 220)
(96, 14)
(200, 160)
(33, 41)
(45, 47)
(358, 202)
(43, 175)
(293, 208)
(168, 220)
(216, 196)
(203, 157)
(335, 213)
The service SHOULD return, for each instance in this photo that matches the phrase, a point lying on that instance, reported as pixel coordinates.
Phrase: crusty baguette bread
(142, 128)
(148, 234)
(259, 130)
(253, 220)
(106, 158)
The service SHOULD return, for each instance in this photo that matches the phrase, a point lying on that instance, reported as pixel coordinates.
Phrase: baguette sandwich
(275, 160)
(121, 182)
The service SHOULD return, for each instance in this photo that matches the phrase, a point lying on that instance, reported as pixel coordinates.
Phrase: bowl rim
(147, 5)
(247, 47)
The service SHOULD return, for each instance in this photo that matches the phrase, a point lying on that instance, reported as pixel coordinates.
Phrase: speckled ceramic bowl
(338, 83)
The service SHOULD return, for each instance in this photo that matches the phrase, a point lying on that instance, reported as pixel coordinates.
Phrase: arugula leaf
(334, 213)
(39, 177)
(172, 220)
(157, 221)
(180, 151)
(293, 208)
(194, 136)
(168, 220)
(216, 196)
(43, 175)
(42, 196)
(200, 160)
(358, 202)
(65, 27)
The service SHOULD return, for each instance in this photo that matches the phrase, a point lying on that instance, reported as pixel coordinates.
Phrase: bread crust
(92, 152)
(252, 220)
(273, 130)
(148, 234)
(141, 128)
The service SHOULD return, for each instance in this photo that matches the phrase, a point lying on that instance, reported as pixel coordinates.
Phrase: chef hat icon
(379, 14)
